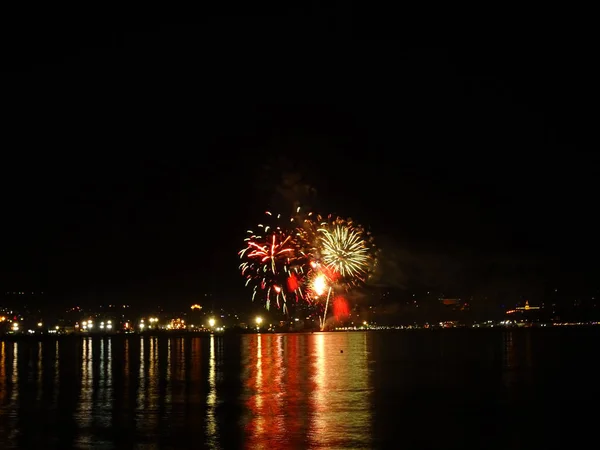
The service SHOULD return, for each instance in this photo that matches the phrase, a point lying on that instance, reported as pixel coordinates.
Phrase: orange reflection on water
(2, 372)
(259, 434)
(196, 370)
(274, 389)
(179, 371)
(296, 383)
(307, 391)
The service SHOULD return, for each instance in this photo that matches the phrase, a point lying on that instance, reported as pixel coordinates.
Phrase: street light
(211, 322)
(258, 322)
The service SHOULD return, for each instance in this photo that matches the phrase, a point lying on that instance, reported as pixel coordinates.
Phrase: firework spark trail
(270, 252)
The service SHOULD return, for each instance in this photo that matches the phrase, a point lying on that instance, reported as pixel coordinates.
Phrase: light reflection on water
(151, 405)
(341, 397)
(308, 391)
(84, 413)
(14, 390)
(295, 390)
(3, 380)
(39, 372)
(55, 380)
(211, 397)
(302, 391)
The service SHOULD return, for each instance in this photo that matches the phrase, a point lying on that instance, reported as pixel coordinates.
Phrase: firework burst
(306, 257)
(346, 249)
(272, 263)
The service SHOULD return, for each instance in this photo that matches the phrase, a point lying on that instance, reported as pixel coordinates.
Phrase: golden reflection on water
(301, 391)
(85, 407)
(104, 395)
(153, 395)
(141, 393)
(14, 380)
(152, 369)
(341, 398)
(211, 397)
(147, 395)
(168, 393)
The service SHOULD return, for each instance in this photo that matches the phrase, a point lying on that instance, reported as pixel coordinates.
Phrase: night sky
(134, 158)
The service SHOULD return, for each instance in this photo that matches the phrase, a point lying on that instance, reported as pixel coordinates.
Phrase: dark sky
(134, 157)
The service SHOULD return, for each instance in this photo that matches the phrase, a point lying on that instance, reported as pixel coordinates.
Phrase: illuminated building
(176, 324)
(523, 309)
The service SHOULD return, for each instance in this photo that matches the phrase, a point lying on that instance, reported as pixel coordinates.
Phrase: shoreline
(185, 334)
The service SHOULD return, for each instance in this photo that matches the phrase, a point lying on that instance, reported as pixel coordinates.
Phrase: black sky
(136, 156)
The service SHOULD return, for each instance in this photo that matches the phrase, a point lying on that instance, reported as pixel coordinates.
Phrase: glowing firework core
(319, 285)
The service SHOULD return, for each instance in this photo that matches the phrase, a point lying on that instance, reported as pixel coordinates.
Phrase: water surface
(417, 389)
